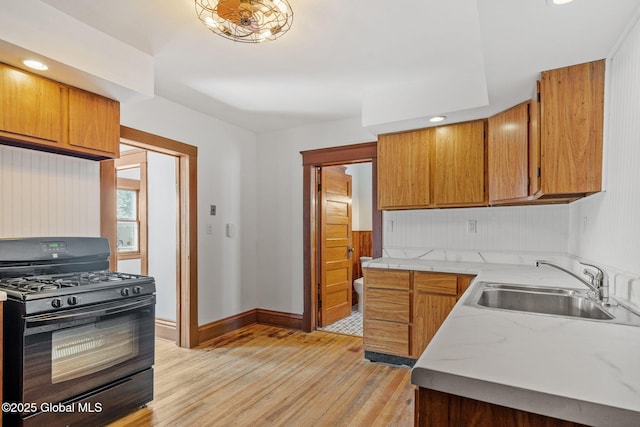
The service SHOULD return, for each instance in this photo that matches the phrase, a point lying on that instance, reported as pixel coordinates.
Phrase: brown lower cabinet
(404, 309)
(438, 409)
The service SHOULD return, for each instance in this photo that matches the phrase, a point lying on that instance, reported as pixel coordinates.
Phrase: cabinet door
(434, 296)
(386, 337)
(31, 106)
(508, 154)
(387, 304)
(387, 279)
(387, 311)
(572, 111)
(403, 170)
(459, 155)
(534, 143)
(94, 122)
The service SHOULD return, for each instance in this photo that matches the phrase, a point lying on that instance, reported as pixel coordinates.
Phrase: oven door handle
(103, 310)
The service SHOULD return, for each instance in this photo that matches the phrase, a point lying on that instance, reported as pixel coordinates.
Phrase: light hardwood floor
(261, 375)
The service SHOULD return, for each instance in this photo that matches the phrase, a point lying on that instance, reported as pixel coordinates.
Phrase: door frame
(187, 250)
(311, 161)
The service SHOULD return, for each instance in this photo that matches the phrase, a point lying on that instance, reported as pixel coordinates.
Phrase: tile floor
(351, 325)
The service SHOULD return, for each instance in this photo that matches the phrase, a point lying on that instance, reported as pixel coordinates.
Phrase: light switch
(231, 230)
(209, 228)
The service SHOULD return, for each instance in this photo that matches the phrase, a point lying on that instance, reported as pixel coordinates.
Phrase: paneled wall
(517, 228)
(44, 194)
(605, 227)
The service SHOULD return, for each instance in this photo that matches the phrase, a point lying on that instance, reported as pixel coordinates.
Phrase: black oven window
(83, 350)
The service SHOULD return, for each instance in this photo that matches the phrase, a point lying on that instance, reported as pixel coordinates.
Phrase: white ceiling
(391, 63)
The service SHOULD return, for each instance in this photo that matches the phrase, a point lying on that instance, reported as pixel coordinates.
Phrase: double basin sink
(571, 303)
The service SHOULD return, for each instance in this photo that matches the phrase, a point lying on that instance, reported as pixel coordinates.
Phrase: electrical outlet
(209, 228)
(213, 210)
(472, 226)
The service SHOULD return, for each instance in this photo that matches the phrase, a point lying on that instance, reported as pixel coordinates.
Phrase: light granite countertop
(579, 370)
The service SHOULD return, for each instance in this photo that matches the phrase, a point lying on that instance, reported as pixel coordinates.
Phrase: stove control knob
(137, 289)
(56, 303)
(124, 292)
(72, 300)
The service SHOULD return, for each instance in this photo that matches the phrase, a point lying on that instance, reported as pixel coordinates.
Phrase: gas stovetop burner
(36, 284)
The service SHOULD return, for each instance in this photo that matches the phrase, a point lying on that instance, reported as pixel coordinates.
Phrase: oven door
(71, 352)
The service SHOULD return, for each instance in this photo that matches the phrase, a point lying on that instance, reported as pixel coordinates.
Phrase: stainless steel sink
(548, 301)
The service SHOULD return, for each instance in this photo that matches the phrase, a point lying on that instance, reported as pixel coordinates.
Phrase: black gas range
(78, 338)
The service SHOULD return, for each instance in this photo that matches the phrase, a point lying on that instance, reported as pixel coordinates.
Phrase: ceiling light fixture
(36, 65)
(559, 2)
(437, 119)
(246, 21)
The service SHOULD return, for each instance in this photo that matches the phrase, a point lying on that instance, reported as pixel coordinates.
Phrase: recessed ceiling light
(559, 1)
(437, 119)
(36, 65)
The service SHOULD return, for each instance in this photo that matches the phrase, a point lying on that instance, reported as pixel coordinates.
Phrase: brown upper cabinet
(571, 123)
(46, 115)
(546, 150)
(404, 170)
(459, 170)
(550, 149)
(508, 142)
(32, 107)
(433, 167)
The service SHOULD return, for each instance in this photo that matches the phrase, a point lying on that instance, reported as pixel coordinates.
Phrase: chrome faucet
(599, 281)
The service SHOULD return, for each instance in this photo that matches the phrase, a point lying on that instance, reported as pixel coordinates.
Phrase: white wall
(605, 227)
(227, 163)
(362, 201)
(280, 279)
(162, 224)
(43, 194)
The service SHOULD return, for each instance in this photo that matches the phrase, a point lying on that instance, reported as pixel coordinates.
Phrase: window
(128, 220)
(131, 211)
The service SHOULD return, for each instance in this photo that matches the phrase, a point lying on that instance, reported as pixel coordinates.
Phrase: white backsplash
(503, 229)
(43, 194)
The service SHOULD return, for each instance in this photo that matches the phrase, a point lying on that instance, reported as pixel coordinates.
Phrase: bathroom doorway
(345, 230)
(313, 162)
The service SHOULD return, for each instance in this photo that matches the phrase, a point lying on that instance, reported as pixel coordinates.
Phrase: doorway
(147, 227)
(186, 324)
(345, 204)
(313, 161)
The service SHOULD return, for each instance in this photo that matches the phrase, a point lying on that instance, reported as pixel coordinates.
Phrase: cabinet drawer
(386, 304)
(444, 284)
(386, 337)
(391, 279)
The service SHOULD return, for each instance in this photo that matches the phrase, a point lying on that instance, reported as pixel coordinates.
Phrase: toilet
(358, 285)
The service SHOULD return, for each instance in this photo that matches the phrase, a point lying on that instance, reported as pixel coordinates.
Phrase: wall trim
(311, 161)
(279, 318)
(166, 329)
(257, 315)
(224, 326)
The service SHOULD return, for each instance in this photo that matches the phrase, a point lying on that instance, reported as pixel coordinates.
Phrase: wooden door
(433, 299)
(571, 114)
(335, 245)
(94, 122)
(508, 154)
(31, 105)
(404, 170)
(459, 178)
